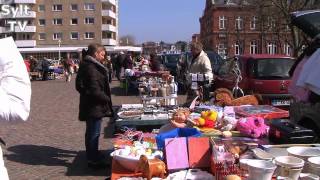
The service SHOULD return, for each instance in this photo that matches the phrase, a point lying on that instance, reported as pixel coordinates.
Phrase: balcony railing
(31, 14)
(30, 29)
(110, 42)
(109, 1)
(25, 1)
(26, 43)
(108, 27)
(108, 13)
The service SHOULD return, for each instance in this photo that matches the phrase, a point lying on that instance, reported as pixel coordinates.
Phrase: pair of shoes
(97, 165)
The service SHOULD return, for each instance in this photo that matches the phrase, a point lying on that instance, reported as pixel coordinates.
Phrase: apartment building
(230, 29)
(62, 23)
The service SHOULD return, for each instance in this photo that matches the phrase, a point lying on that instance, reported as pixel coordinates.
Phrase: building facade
(60, 23)
(231, 28)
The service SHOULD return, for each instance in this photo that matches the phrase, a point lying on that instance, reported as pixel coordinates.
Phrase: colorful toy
(180, 117)
(223, 97)
(151, 168)
(228, 122)
(252, 126)
(207, 120)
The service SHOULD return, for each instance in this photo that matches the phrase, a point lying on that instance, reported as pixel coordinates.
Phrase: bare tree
(127, 40)
(280, 11)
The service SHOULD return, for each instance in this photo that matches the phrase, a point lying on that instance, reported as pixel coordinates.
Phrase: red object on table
(118, 171)
(264, 111)
(199, 152)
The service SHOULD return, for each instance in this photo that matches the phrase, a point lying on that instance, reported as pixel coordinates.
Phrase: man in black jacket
(95, 100)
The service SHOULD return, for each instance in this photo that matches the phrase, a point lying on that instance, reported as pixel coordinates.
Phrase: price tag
(194, 85)
(194, 77)
(200, 77)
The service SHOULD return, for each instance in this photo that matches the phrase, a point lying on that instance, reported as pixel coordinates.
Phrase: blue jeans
(92, 139)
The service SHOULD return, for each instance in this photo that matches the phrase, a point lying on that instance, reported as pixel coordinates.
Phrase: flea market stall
(240, 140)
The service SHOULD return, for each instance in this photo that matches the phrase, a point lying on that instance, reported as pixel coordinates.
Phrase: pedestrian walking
(95, 100)
(15, 89)
(68, 66)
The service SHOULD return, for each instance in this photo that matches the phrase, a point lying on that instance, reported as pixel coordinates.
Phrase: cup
(260, 169)
(313, 165)
(289, 166)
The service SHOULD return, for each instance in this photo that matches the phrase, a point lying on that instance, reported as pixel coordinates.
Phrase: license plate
(280, 102)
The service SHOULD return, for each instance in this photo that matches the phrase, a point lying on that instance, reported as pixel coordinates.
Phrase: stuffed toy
(223, 97)
(252, 126)
(207, 120)
(228, 121)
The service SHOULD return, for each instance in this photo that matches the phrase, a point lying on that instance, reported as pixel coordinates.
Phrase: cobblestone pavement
(50, 145)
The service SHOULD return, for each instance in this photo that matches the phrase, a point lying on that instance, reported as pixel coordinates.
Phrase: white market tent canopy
(78, 49)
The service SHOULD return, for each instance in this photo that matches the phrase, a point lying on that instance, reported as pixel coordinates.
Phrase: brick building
(232, 28)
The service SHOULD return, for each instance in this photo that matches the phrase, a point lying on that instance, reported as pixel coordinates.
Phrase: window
(89, 6)
(89, 35)
(42, 22)
(74, 35)
(57, 21)
(222, 22)
(57, 7)
(222, 50)
(42, 36)
(239, 23)
(41, 8)
(89, 20)
(238, 48)
(74, 7)
(272, 48)
(74, 21)
(287, 49)
(253, 23)
(57, 36)
(271, 23)
(253, 47)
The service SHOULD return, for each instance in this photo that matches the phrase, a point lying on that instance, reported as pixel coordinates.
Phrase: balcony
(108, 13)
(27, 29)
(109, 42)
(31, 14)
(26, 43)
(113, 2)
(108, 27)
(25, 1)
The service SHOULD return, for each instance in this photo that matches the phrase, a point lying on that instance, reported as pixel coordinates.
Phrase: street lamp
(59, 41)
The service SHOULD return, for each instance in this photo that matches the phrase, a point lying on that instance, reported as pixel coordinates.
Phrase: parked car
(184, 64)
(264, 74)
(308, 114)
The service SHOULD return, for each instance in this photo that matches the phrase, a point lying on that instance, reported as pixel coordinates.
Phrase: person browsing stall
(200, 64)
(95, 101)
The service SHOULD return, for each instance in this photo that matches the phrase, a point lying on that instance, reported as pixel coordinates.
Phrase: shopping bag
(176, 153)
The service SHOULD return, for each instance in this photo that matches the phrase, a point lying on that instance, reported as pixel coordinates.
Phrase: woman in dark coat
(95, 100)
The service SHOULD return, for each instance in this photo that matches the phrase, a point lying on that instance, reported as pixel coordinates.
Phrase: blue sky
(156, 20)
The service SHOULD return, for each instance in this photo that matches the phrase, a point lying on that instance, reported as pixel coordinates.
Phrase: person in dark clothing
(119, 63)
(95, 100)
(154, 63)
(45, 64)
(128, 64)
